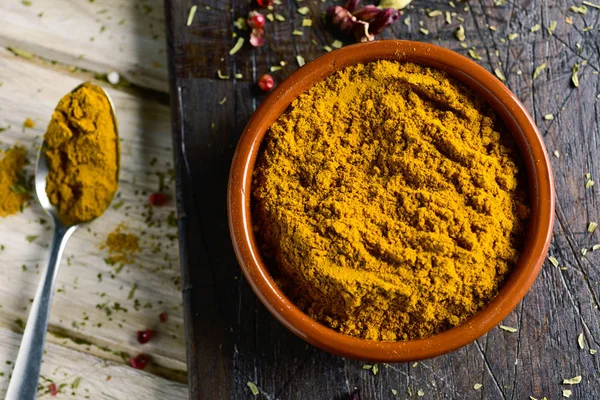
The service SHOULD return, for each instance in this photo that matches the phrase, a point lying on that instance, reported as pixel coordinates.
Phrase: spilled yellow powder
(122, 246)
(13, 194)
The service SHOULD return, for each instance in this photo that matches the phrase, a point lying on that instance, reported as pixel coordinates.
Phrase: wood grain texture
(233, 339)
(78, 375)
(99, 36)
(88, 289)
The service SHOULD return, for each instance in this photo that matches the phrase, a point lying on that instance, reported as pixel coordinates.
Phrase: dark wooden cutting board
(232, 338)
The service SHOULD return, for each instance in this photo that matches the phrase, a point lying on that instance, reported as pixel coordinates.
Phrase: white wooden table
(59, 44)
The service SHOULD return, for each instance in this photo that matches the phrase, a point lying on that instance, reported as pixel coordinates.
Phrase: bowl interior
(517, 122)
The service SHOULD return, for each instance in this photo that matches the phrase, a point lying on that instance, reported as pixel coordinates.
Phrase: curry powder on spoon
(82, 155)
(389, 201)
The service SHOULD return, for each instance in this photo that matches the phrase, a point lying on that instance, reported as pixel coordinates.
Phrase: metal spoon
(24, 382)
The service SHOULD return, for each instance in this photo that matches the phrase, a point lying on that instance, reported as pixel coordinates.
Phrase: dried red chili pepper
(257, 37)
(264, 3)
(363, 23)
(144, 336)
(266, 83)
(158, 199)
(53, 389)
(140, 361)
(163, 317)
(255, 20)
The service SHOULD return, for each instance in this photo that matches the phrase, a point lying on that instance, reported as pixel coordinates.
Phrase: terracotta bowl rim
(518, 122)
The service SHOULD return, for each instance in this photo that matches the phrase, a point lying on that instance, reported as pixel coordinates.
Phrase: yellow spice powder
(389, 201)
(82, 155)
(122, 246)
(13, 194)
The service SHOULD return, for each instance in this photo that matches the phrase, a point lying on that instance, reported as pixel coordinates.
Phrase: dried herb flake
(538, 71)
(574, 76)
(253, 388)
(572, 381)
(474, 54)
(552, 27)
(581, 341)
(500, 74)
(31, 238)
(508, 328)
(237, 47)
(579, 10)
(460, 33)
(191, 15)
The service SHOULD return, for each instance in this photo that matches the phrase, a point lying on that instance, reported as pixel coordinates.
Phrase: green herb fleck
(31, 238)
(238, 45)
(131, 291)
(500, 74)
(572, 381)
(579, 10)
(508, 328)
(75, 383)
(253, 388)
(581, 341)
(574, 76)
(552, 27)
(191, 14)
(538, 71)
(474, 54)
(460, 33)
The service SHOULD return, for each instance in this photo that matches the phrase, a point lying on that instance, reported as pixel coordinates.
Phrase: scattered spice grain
(14, 191)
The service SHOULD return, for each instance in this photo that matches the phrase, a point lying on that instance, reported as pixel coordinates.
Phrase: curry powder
(122, 246)
(13, 194)
(82, 155)
(389, 201)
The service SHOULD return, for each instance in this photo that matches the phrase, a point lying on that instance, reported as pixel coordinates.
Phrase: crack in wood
(489, 368)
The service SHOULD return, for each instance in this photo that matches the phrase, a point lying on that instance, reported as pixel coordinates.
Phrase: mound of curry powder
(82, 155)
(389, 202)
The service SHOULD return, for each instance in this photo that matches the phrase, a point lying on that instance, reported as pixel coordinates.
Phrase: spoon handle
(24, 382)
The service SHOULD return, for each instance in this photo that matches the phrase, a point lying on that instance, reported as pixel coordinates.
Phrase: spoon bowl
(24, 381)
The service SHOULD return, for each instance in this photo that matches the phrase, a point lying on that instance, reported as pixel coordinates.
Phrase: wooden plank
(82, 376)
(99, 36)
(561, 304)
(87, 286)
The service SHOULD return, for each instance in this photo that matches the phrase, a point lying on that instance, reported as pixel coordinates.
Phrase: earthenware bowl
(518, 122)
